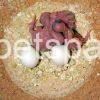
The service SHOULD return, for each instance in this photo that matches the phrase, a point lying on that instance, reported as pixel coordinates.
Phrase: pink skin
(67, 17)
(45, 19)
(57, 36)
(60, 27)
(70, 35)
(44, 34)
(47, 33)
(53, 17)
(32, 25)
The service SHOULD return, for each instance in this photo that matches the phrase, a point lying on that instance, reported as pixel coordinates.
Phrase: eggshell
(60, 54)
(29, 57)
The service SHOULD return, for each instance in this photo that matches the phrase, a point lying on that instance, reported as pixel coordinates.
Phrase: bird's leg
(32, 25)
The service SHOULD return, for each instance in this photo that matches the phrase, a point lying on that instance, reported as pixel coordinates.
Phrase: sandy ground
(90, 90)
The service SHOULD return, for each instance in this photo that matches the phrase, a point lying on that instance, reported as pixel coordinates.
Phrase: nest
(47, 79)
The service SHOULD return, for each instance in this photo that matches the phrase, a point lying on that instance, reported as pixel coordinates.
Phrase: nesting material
(47, 79)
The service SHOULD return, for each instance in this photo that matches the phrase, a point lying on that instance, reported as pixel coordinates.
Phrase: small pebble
(39, 73)
(62, 76)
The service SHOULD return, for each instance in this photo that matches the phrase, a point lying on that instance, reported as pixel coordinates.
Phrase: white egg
(29, 57)
(60, 54)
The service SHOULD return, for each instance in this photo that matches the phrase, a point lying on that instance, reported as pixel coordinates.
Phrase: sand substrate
(47, 79)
